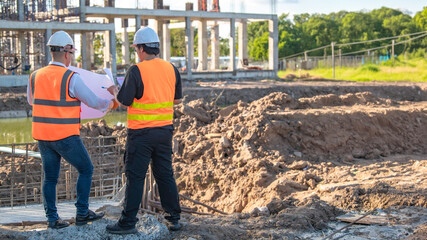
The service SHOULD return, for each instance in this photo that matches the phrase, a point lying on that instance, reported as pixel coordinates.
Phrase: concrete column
(87, 48)
(32, 60)
(203, 46)
(73, 59)
(91, 37)
(83, 51)
(273, 42)
(23, 52)
(21, 16)
(243, 42)
(137, 22)
(189, 39)
(113, 53)
(215, 46)
(158, 27)
(107, 53)
(232, 65)
(82, 10)
(166, 42)
(125, 43)
(48, 57)
(137, 27)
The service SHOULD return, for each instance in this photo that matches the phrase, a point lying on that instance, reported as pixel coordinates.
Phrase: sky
(290, 6)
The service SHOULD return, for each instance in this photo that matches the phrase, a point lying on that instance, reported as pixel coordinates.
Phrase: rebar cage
(21, 172)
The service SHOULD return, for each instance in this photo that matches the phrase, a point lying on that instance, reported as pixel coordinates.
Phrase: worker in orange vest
(150, 90)
(55, 92)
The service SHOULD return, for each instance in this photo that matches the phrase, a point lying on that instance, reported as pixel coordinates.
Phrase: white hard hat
(61, 39)
(146, 36)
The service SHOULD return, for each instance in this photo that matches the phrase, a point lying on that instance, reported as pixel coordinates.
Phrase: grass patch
(414, 70)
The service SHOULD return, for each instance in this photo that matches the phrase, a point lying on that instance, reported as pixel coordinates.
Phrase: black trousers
(143, 145)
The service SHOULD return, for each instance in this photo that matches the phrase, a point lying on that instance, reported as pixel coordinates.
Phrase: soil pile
(245, 155)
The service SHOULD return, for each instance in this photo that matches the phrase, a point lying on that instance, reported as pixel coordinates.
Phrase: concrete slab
(66, 210)
(13, 80)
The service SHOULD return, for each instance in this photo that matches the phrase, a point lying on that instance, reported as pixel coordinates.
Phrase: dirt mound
(14, 101)
(379, 195)
(240, 157)
(245, 155)
(420, 233)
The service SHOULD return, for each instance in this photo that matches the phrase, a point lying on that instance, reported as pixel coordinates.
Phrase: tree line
(310, 31)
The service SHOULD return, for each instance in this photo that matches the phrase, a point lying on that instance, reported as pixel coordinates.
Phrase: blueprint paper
(94, 82)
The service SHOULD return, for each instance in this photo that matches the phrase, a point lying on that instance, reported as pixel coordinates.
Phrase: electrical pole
(333, 60)
(392, 50)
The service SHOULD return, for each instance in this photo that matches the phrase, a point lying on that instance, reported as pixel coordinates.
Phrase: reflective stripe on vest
(56, 115)
(155, 108)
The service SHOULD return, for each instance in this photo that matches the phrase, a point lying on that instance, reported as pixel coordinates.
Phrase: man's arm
(79, 90)
(29, 97)
(178, 87)
(132, 87)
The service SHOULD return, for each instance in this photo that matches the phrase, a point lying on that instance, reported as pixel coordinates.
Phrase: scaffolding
(25, 27)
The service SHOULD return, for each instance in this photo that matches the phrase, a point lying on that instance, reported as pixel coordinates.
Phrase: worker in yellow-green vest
(150, 90)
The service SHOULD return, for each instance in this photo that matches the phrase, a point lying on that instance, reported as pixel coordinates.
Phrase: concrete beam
(232, 66)
(243, 42)
(189, 39)
(170, 14)
(203, 46)
(47, 35)
(68, 27)
(13, 80)
(215, 47)
(246, 74)
(273, 43)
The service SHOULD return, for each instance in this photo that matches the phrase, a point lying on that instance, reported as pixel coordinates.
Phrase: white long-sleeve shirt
(78, 89)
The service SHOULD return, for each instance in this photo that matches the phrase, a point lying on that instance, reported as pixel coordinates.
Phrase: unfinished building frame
(25, 27)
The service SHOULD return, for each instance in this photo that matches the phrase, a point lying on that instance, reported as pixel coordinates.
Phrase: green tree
(177, 42)
(98, 49)
(420, 20)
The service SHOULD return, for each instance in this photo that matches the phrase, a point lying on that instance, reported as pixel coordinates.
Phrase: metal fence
(326, 62)
(21, 172)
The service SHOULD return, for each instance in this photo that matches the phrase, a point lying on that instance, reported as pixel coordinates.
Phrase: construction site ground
(286, 160)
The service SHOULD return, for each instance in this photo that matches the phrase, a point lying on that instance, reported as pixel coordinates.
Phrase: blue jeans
(74, 152)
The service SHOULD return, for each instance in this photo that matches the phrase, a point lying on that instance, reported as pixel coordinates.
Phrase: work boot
(89, 217)
(174, 226)
(117, 229)
(58, 224)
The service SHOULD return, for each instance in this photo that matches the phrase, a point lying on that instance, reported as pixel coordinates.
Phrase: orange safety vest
(56, 115)
(155, 107)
